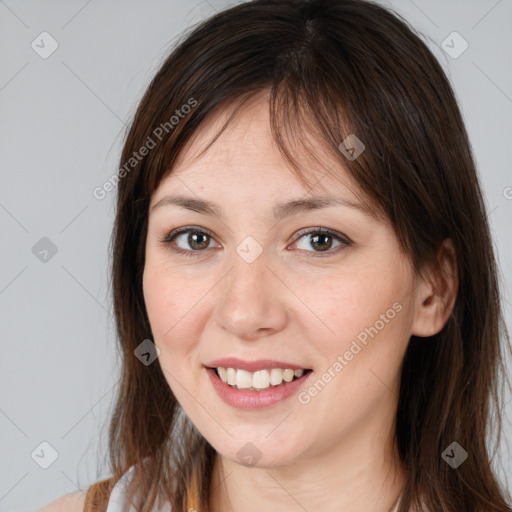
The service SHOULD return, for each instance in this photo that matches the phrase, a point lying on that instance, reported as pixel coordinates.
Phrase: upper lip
(252, 366)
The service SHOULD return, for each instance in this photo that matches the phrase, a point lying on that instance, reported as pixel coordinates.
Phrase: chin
(260, 454)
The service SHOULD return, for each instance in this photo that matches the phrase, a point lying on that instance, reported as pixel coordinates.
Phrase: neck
(362, 472)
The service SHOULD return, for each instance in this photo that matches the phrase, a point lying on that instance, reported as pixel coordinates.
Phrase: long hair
(333, 68)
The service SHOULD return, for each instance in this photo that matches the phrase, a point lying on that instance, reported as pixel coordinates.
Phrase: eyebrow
(280, 210)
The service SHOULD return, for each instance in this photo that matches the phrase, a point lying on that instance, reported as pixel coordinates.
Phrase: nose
(252, 301)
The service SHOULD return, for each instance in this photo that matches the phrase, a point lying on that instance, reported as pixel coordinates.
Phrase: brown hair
(337, 67)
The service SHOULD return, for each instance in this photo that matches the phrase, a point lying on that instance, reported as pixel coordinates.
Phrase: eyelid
(319, 229)
(344, 240)
(179, 231)
(169, 239)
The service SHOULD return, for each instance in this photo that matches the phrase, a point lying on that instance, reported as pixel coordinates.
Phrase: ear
(436, 293)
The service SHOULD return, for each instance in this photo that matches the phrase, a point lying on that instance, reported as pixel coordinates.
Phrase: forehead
(245, 155)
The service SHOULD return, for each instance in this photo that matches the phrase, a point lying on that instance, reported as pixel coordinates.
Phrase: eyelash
(345, 241)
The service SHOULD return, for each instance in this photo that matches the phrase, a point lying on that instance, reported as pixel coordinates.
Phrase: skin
(334, 453)
(73, 502)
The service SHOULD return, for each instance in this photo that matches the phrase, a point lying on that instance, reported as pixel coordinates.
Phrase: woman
(305, 288)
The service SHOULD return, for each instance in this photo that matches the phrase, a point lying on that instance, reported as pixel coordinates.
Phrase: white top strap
(118, 501)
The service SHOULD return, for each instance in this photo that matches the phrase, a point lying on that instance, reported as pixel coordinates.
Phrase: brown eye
(321, 240)
(198, 240)
(195, 241)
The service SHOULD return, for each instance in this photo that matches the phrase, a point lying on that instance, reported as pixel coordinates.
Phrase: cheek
(169, 299)
(159, 301)
(364, 330)
(353, 306)
(176, 308)
(167, 307)
(361, 347)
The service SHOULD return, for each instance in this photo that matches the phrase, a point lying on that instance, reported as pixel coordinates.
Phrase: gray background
(62, 122)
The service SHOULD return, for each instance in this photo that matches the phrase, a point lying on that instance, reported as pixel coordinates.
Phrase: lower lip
(244, 399)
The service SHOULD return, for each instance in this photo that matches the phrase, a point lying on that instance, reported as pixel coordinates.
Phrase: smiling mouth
(260, 380)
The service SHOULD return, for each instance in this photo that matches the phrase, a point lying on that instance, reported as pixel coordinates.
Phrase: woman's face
(257, 287)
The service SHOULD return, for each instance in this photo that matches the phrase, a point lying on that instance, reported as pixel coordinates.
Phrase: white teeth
(259, 380)
(231, 376)
(276, 376)
(243, 379)
(223, 374)
(288, 375)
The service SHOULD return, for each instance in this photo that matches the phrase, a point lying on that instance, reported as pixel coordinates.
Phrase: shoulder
(73, 502)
